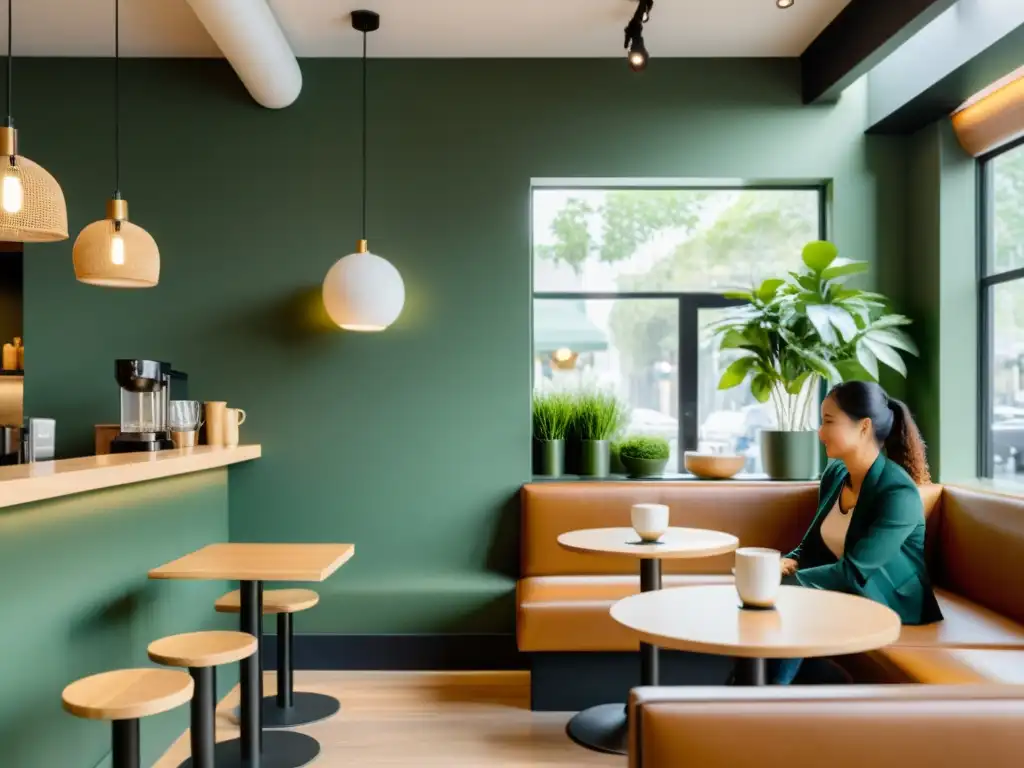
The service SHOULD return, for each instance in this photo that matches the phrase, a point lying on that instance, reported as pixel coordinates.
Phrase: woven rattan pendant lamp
(32, 208)
(362, 291)
(113, 252)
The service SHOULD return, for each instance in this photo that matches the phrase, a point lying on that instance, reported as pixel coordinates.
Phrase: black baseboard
(400, 652)
(569, 682)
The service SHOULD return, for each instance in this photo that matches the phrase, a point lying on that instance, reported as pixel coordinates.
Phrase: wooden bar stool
(124, 696)
(288, 708)
(202, 653)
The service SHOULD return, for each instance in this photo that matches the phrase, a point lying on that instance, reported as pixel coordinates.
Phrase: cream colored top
(676, 543)
(834, 528)
(25, 483)
(805, 622)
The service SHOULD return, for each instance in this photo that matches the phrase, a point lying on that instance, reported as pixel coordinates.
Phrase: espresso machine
(147, 387)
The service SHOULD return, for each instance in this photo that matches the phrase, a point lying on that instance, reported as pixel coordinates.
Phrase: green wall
(412, 443)
(76, 601)
(940, 293)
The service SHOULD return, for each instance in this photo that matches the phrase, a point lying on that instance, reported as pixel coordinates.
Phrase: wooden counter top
(41, 480)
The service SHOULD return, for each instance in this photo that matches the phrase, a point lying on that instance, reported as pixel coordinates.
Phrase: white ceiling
(434, 28)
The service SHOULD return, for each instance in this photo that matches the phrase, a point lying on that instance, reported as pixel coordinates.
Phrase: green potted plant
(596, 419)
(552, 416)
(799, 331)
(644, 456)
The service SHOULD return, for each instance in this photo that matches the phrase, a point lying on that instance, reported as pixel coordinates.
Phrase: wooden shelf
(12, 373)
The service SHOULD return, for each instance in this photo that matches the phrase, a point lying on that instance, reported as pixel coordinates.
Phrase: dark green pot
(549, 457)
(595, 458)
(617, 467)
(637, 468)
(790, 455)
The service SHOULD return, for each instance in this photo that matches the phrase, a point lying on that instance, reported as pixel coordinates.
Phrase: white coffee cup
(650, 521)
(758, 576)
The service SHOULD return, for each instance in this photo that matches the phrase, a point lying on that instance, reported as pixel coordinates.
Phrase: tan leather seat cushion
(759, 514)
(982, 550)
(842, 727)
(571, 613)
(965, 625)
(941, 666)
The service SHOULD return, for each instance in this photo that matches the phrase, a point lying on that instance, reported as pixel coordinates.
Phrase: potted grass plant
(552, 417)
(644, 456)
(797, 332)
(597, 417)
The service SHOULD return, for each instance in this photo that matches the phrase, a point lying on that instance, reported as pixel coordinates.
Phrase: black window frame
(986, 319)
(690, 303)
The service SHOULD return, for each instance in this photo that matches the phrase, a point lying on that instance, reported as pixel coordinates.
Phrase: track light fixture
(637, 55)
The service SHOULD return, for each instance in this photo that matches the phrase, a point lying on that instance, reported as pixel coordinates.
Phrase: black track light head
(638, 56)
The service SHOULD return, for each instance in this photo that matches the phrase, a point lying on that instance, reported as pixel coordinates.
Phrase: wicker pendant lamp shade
(362, 291)
(32, 207)
(113, 252)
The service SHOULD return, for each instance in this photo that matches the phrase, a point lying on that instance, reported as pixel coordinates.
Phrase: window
(626, 282)
(1001, 301)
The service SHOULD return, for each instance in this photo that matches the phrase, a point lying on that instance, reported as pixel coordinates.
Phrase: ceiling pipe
(253, 43)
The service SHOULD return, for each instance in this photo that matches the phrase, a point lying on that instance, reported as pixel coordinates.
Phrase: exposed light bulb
(784, 3)
(116, 248)
(13, 195)
(638, 55)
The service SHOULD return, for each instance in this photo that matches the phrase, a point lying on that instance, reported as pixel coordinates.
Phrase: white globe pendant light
(362, 291)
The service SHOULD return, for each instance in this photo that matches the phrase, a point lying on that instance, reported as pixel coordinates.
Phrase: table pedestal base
(306, 708)
(603, 728)
(281, 749)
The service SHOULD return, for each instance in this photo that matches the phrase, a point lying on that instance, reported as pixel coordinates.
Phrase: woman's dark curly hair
(894, 427)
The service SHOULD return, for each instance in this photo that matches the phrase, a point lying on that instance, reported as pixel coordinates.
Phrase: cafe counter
(77, 540)
(26, 483)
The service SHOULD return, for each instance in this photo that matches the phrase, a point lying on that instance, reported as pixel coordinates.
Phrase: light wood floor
(427, 720)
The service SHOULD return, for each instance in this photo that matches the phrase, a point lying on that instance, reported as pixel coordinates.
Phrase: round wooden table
(804, 623)
(604, 728)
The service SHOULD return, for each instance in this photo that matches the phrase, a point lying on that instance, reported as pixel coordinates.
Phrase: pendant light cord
(117, 99)
(10, 57)
(364, 135)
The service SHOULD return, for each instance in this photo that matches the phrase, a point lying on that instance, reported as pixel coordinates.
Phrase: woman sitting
(867, 538)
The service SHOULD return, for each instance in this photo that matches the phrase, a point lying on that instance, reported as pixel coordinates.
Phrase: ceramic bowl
(711, 466)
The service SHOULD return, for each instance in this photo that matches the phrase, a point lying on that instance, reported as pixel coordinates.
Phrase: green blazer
(883, 556)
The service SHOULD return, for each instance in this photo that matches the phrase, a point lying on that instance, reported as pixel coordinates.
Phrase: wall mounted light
(362, 291)
(113, 252)
(992, 117)
(32, 207)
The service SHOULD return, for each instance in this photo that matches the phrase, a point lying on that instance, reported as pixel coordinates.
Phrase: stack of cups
(184, 420)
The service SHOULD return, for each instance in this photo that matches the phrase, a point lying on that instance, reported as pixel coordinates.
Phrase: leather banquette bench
(579, 656)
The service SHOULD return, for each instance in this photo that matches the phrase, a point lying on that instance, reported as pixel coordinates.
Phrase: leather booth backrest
(931, 497)
(838, 734)
(982, 549)
(760, 514)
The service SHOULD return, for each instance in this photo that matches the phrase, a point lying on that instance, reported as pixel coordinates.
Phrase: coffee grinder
(147, 386)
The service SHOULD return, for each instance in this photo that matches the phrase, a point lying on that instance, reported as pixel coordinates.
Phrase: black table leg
(751, 672)
(256, 749)
(250, 620)
(650, 580)
(605, 728)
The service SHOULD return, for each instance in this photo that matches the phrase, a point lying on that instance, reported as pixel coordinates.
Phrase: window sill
(671, 477)
(1003, 487)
